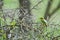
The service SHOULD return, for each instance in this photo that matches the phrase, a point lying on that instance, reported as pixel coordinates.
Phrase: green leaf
(13, 22)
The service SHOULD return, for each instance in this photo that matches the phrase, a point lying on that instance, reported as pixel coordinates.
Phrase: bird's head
(41, 18)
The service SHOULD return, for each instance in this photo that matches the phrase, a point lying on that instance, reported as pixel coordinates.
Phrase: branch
(55, 10)
(36, 5)
(55, 38)
(33, 7)
(48, 8)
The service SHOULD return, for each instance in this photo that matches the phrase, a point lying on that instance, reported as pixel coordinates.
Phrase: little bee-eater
(43, 21)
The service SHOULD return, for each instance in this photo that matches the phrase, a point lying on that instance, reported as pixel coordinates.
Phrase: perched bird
(43, 21)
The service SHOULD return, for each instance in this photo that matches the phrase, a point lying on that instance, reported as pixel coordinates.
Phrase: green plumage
(43, 21)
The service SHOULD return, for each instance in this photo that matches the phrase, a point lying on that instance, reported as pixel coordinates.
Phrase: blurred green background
(38, 12)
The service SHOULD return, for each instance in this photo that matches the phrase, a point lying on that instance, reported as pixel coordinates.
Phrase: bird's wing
(45, 21)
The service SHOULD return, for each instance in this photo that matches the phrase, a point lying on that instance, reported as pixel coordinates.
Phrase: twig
(36, 5)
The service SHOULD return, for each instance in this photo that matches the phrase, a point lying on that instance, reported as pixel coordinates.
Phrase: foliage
(17, 24)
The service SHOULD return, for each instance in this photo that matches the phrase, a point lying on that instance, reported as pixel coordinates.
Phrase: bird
(43, 21)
